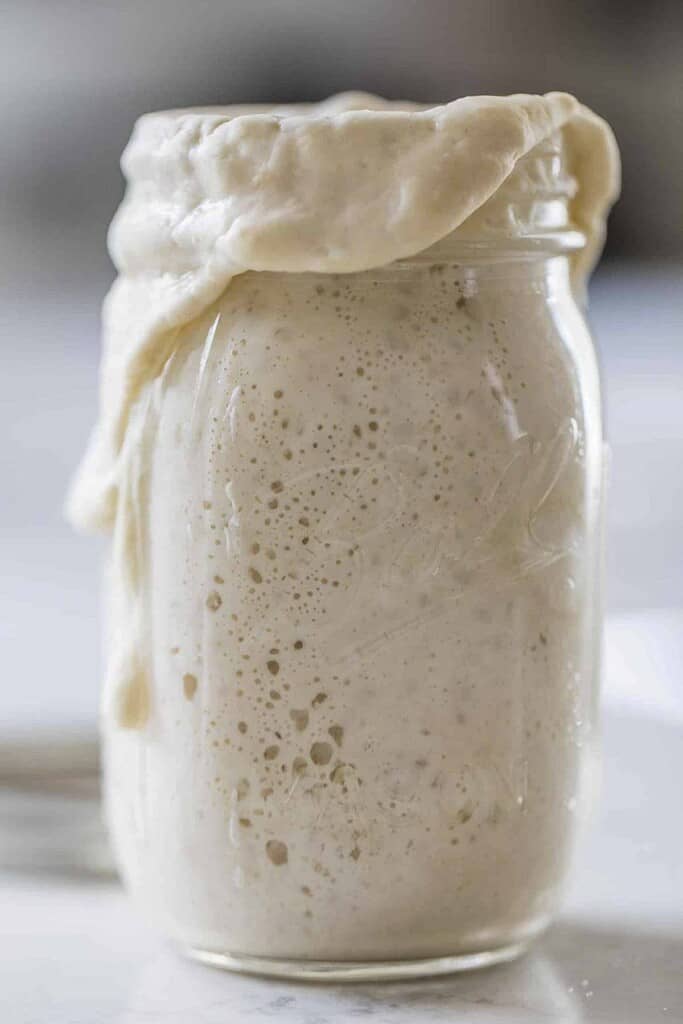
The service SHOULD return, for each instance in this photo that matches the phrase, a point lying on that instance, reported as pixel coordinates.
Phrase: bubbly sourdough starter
(369, 673)
(352, 621)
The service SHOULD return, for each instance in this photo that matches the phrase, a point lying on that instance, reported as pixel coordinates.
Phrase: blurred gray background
(75, 75)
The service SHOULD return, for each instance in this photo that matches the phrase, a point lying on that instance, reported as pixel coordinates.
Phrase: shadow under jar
(373, 552)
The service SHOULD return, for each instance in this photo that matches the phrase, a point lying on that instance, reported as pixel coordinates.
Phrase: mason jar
(371, 523)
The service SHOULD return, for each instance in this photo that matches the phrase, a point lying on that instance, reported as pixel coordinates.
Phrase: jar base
(355, 970)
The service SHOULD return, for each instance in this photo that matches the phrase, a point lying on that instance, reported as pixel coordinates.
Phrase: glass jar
(372, 537)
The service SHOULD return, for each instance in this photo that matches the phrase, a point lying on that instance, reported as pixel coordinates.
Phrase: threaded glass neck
(530, 212)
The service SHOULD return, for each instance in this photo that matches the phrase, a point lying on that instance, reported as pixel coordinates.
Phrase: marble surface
(98, 967)
(73, 951)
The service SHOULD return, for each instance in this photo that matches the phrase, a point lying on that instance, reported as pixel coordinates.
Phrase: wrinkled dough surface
(346, 185)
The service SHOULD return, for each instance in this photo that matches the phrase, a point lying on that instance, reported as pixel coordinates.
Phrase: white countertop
(78, 956)
(74, 952)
